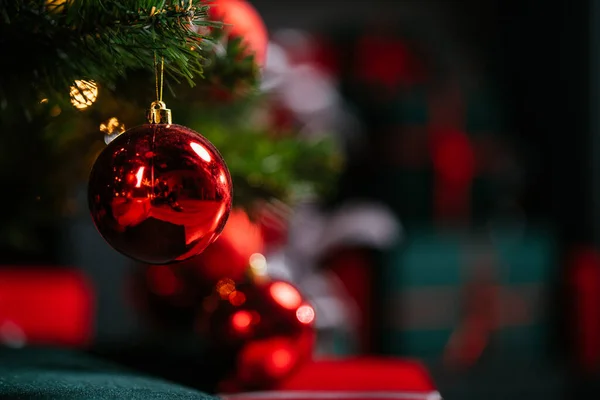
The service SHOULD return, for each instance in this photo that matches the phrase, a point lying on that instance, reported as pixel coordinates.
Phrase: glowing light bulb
(83, 93)
(56, 5)
(111, 129)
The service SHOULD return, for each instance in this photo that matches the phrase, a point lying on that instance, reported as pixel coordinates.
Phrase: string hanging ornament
(160, 193)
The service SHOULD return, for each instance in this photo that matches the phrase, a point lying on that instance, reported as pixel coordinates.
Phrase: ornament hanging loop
(159, 86)
(159, 113)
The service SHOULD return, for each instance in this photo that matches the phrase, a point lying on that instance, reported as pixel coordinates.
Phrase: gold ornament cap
(159, 113)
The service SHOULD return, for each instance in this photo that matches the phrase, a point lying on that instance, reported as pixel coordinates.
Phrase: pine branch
(48, 46)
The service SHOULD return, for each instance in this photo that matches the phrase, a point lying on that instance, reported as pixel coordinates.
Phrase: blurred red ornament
(230, 255)
(268, 325)
(453, 156)
(160, 193)
(170, 294)
(388, 61)
(243, 21)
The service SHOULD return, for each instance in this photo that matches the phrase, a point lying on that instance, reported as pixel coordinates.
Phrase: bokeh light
(305, 314)
(241, 321)
(258, 264)
(83, 93)
(285, 295)
(225, 287)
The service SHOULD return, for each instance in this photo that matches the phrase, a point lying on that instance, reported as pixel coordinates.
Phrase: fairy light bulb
(111, 129)
(83, 93)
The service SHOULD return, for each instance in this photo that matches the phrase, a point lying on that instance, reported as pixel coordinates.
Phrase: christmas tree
(78, 72)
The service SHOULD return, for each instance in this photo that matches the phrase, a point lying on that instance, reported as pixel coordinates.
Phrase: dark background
(543, 59)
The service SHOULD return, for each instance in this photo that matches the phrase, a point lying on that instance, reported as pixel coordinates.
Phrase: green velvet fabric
(42, 373)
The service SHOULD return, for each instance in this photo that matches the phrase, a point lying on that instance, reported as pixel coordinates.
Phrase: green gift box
(433, 280)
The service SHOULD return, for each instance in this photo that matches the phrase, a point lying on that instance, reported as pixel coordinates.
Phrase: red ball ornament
(228, 256)
(268, 325)
(169, 295)
(160, 193)
(243, 21)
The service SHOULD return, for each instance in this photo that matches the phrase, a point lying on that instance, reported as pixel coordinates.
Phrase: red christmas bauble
(230, 255)
(170, 294)
(268, 325)
(160, 193)
(243, 21)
